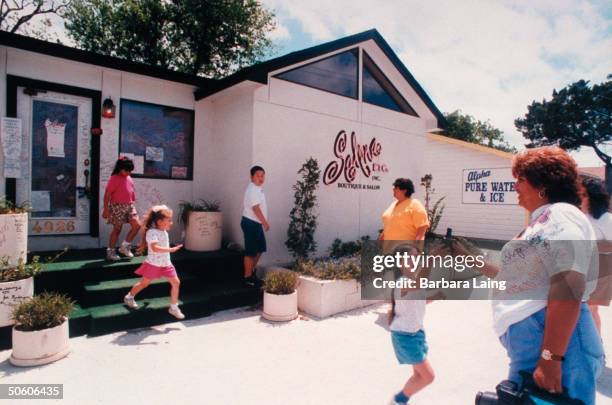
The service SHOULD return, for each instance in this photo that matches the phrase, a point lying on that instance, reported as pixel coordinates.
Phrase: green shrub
(20, 271)
(345, 268)
(343, 249)
(201, 205)
(303, 216)
(280, 282)
(434, 214)
(7, 207)
(23, 270)
(43, 311)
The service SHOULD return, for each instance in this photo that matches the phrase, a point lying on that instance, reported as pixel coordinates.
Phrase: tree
(303, 219)
(16, 15)
(467, 128)
(576, 116)
(211, 38)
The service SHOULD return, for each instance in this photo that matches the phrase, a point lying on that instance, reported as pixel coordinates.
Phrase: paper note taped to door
(11, 145)
(55, 138)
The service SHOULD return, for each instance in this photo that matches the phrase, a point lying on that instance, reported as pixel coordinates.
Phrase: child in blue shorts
(408, 336)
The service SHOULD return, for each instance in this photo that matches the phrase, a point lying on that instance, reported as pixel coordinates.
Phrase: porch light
(108, 108)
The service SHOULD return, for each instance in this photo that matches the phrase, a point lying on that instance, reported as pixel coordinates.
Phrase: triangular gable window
(336, 74)
(378, 90)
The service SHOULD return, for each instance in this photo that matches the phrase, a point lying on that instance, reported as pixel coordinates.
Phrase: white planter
(280, 307)
(204, 231)
(14, 237)
(41, 346)
(11, 294)
(323, 298)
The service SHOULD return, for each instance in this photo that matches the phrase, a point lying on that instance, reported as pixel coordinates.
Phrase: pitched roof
(93, 58)
(259, 72)
(470, 145)
(206, 87)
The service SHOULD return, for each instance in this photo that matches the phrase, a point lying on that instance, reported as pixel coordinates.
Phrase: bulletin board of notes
(159, 139)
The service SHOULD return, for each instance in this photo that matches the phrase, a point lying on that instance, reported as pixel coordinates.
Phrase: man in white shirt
(254, 222)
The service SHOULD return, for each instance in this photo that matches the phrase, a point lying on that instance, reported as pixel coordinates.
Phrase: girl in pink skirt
(157, 264)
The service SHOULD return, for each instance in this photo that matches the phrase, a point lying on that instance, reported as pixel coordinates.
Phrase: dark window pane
(378, 90)
(373, 92)
(158, 136)
(336, 74)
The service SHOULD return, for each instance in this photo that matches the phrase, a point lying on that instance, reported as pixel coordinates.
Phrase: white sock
(129, 296)
(125, 243)
(174, 306)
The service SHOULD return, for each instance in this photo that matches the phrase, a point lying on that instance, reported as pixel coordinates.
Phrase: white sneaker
(130, 302)
(126, 250)
(176, 313)
(112, 255)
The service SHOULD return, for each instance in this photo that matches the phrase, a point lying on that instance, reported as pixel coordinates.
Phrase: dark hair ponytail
(123, 163)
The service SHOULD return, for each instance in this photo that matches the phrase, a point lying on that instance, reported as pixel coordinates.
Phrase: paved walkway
(236, 357)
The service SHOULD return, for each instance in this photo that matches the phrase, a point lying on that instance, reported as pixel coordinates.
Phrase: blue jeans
(583, 359)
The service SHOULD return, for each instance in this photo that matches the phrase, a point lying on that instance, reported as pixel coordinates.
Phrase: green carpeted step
(80, 321)
(122, 284)
(154, 311)
(112, 291)
(77, 266)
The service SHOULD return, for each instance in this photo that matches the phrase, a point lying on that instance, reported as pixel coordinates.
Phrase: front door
(56, 156)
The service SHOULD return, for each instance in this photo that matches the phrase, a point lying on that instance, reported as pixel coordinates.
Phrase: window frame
(383, 81)
(355, 52)
(190, 141)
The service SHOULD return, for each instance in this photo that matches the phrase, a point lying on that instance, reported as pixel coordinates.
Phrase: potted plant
(203, 224)
(40, 334)
(280, 295)
(16, 285)
(13, 231)
(329, 286)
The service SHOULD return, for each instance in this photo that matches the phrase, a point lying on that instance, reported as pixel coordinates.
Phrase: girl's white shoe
(130, 302)
(176, 312)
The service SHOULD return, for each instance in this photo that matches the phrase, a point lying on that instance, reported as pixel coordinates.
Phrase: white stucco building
(350, 103)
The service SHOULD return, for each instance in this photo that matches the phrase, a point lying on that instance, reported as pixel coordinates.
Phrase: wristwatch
(547, 355)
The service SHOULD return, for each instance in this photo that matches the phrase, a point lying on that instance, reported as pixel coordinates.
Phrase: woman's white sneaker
(126, 250)
(111, 255)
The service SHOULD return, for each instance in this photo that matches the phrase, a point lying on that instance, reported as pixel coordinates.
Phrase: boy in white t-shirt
(254, 222)
(408, 333)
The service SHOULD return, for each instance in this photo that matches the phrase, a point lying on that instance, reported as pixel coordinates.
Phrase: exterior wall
(446, 163)
(224, 154)
(117, 85)
(289, 128)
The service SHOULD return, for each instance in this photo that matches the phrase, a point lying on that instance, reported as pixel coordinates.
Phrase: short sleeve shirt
(602, 226)
(558, 239)
(161, 238)
(409, 311)
(402, 219)
(254, 195)
(121, 189)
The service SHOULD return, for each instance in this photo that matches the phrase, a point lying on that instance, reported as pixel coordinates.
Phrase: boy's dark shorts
(254, 237)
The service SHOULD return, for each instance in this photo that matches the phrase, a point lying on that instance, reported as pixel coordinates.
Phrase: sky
(489, 59)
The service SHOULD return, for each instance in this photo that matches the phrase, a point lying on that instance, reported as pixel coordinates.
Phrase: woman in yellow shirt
(406, 218)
